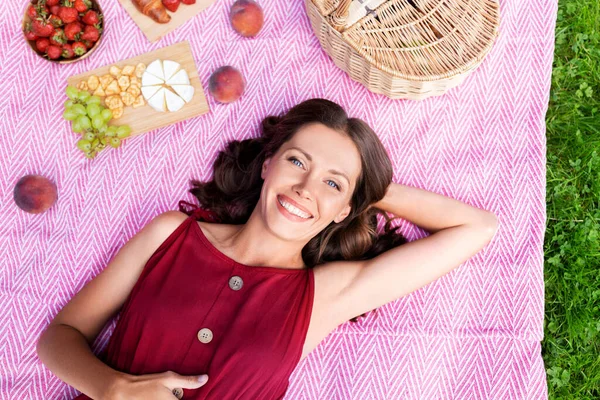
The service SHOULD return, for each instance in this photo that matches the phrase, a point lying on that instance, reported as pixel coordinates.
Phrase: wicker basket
(411, 49)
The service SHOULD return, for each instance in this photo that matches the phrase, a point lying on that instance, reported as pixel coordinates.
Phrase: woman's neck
(253, 244)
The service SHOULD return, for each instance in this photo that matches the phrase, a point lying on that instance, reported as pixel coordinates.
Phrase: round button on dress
(236, 283)
(178, 392)
(205, 335)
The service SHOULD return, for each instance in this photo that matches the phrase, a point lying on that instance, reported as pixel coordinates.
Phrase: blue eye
(336, 185)
(294, 159)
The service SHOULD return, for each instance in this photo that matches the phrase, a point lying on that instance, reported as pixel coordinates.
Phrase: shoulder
(163, 225)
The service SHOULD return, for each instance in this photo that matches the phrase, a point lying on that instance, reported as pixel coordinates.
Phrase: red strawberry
(79, 48)
(68, 14)
(42, 44)
(90, 33)
(42, 27)
(91, 18)
(32, 11)
(52, 3)
(67, 51)
(82, 5)
(55, 21)
(58, 38)
(54, 52)
(188, 1)
(55, 10)
(171, 5)
(29, 34)
(88, 45)
(72, 30)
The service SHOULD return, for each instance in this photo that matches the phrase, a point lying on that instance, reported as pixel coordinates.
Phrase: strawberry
(29, 34)
(79, 48)
(55, 10)
(90, 33)
(188, 1)
(82, 5)
(32, 11)
(91, 18)
(55, 21)
(41, 44)
(67, 51)
(42, 27)
(52, 3)
(54, 52)
(68, 14)
(171, 5)
(72, 30)
(58, 38)
(88, 45)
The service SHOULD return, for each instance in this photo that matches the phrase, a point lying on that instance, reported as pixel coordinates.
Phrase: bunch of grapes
(90, 119)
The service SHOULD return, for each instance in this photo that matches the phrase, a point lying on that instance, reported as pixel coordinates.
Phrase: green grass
(571, 345)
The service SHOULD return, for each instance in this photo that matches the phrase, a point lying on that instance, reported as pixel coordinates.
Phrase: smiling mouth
(293, 210)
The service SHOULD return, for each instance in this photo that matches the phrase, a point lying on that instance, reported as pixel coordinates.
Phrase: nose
(302, 190)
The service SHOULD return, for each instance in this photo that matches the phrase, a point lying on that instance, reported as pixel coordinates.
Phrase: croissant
(154, 9)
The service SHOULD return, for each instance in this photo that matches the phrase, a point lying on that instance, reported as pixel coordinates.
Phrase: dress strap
(197, 212)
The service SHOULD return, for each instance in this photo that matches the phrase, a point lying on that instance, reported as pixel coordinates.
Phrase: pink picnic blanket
(473, 334)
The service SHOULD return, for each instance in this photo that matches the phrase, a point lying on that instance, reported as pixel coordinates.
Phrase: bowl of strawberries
(63, 31)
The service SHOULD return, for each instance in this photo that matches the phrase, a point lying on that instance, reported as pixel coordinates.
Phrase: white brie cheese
(174, 102)
(185, 91)
(148, 79)
(149, 91)
(156, 69)
(180, 78)
(170, 67)
(158, 100)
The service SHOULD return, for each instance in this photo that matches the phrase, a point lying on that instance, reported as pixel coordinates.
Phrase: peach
(35, 194)
(226, 84)
(246, 17)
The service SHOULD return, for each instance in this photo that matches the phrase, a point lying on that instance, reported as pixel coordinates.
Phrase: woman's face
(308, 182)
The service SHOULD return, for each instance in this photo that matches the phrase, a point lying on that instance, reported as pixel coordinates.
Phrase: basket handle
(340, 15)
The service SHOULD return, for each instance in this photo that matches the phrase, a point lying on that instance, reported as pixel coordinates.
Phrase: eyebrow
(331, 171)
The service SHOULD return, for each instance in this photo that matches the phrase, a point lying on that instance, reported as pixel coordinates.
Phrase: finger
(174, 380)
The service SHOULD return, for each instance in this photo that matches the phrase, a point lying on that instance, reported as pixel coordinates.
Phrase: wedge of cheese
(166, 86)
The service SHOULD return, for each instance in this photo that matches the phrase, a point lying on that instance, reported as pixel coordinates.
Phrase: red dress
(196, 311)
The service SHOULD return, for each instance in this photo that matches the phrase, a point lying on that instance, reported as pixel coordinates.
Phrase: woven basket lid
(421, 40)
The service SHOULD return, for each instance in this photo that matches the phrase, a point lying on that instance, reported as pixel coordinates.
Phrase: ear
(342, 216)
(264, 168)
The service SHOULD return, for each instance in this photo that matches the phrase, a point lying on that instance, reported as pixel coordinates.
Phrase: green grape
(76, 126)
(95, 143)
(72, 92)
(123, 131)
(115, 142)
(79, 109)
(102, 130)
(70, 115)
(84, 122)
(89, 136)
(98, 121)
(68, 104)
(83, 95)
(94, 100)
(111, 131)
(93, 110)
(107, 114)
(84, 145)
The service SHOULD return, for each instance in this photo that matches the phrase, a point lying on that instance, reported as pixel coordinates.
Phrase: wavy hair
(235, 188)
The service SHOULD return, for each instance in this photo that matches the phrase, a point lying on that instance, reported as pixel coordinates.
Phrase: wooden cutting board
(145, 118)
(154, 30)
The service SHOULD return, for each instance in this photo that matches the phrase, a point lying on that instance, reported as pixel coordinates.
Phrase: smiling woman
(312, 167)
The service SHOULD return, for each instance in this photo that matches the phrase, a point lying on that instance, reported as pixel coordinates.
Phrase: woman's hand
(161, 386)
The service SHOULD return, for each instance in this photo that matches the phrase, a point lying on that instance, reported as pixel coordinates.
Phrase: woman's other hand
(160, 386)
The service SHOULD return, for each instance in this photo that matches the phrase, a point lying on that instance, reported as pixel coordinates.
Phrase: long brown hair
(235, 189)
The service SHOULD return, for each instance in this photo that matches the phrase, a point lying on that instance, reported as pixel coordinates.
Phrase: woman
(294, 255)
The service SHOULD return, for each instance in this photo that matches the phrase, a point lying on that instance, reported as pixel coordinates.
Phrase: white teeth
(294, 210)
